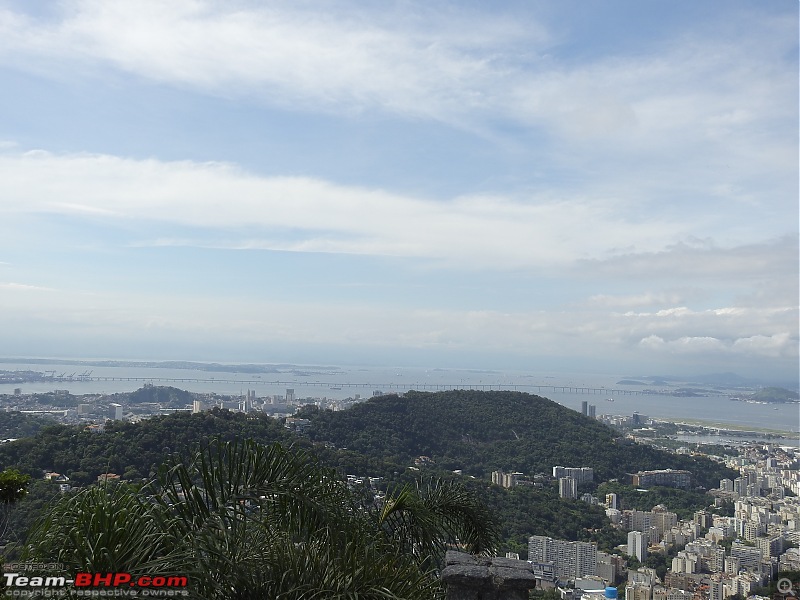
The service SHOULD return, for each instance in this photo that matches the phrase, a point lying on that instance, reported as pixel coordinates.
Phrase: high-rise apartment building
(580, 474)
(749, 557)
(570, 559)
(637, 545)
(567, 487)
(663, 477)
(507, 480)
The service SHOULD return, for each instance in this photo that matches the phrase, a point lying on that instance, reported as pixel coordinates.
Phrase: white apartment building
(570, 559)
(580, 474)
(567, 487)
(637, 545)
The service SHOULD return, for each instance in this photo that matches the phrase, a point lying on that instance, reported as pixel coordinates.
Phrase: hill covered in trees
(133, 450)
(479, 432)
(775, 394)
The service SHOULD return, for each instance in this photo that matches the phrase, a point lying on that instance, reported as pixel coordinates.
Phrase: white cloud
(285, 54)
(684, 345)
(746, 335)
(746, 331)
(309, 215)
(634, 301)
(416, 60)
(706, 118)
(23, 287)
(781, 345)
(706, 261)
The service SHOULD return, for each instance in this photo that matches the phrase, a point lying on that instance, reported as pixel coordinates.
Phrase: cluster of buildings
(274, 405)
(61, 406)
(569, 478)
(713, 556)
(663, 477)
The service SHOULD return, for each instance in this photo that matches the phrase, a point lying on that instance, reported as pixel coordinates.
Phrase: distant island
(771, 395)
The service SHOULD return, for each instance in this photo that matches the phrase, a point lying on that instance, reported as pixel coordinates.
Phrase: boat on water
(609, 399)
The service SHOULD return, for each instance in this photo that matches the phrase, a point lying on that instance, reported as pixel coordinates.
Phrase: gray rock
(480, 578)
(467, 575)
(453, 557)
(513, 578)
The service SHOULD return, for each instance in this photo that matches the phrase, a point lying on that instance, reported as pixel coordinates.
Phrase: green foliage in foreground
(244, 520)
(13, 486)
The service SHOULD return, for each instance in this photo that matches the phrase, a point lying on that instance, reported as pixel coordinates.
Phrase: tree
(243, 520)
(13, 487)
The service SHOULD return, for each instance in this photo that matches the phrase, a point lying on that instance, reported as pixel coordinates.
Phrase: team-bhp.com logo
(95, 584)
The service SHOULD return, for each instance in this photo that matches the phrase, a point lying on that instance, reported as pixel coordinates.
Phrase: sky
(598, 186)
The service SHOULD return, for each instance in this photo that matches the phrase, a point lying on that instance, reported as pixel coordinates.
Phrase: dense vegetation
(241, 520)
(479, 432)
(524, 511)
(18, 425)
(775, 394)
(165, 395)
(132, 450)
(682, 502)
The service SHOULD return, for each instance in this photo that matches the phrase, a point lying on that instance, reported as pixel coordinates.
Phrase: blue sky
(601, 186)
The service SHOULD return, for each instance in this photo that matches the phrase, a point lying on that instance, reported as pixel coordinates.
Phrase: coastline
(782, 433)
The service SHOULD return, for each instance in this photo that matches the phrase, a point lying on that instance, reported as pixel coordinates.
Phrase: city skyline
(607, 187)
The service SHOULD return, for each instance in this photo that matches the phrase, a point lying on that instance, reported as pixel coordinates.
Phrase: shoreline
(783, 433)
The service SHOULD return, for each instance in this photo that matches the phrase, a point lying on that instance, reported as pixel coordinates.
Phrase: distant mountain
(727, 379)
(720, 380)
(180, 364)
(479, 432)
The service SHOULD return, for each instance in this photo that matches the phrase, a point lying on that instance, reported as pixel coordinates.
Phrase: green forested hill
(17, 424)
(775, 394)
(132, 449)
(479, 432)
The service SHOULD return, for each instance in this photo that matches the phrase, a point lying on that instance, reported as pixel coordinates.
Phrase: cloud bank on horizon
(559, 185)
